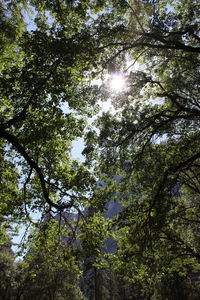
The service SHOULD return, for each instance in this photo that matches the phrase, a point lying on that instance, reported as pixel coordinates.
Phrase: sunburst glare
(117, 82)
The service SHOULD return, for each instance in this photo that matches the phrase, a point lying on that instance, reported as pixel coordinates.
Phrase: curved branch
(136, 16)
(185, 163)
(174, 98)
(175, 46)
(22, 115)
(20, 149)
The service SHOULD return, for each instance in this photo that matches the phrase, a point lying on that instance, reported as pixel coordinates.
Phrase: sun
(117, 82)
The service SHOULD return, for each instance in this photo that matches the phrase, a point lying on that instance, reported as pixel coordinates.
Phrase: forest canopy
(55, 76)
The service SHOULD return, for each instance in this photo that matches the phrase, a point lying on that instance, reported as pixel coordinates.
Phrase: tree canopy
(52, 79)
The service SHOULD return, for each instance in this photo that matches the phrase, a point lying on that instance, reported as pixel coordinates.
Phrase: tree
(152, 142)
(7, 271)
(35, 131)
(49, 269)
(46, 97)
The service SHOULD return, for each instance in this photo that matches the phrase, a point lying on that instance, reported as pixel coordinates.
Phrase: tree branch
(173, 97)
(21, 116)
(20, 149)
(175, 46)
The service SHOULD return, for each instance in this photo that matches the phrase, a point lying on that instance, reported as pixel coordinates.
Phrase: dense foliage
(53, 75)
